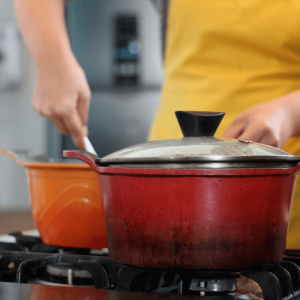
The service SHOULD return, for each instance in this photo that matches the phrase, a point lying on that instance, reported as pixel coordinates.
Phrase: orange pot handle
(24, 156)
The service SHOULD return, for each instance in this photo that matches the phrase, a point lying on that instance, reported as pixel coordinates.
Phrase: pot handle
(22, 156)
(87, 157)
(297, 169)
(199, 123)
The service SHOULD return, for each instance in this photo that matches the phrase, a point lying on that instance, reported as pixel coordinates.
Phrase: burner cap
(215, 282)
(214, 285)
(63, 270)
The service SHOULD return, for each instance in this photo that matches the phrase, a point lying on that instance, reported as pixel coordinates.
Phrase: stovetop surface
(30, 269)
(14, 291)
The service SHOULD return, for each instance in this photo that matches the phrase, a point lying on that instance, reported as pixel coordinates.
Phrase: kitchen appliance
(65, 201)
(126, 51)
(198, 202)
(32, 270)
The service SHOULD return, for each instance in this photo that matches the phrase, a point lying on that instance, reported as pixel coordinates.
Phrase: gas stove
(30, 269)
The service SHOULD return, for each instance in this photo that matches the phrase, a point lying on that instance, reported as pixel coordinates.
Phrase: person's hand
(62, 94)
(271, 123)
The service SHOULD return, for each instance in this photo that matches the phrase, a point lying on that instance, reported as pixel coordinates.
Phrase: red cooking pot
(197, 202)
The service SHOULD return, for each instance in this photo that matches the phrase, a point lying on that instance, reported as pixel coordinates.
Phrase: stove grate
(278, 282)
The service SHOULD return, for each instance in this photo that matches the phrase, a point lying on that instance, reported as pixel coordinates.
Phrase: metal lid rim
(206, 159)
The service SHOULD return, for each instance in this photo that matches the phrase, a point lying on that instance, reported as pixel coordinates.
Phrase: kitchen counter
(15, 221)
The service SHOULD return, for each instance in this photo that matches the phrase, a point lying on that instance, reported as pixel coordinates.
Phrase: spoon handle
(88, 146)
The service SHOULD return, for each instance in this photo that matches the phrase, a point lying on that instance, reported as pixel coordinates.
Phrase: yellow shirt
(229, 55)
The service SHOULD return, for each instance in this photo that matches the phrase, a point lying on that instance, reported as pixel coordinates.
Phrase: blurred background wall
(20, 126)
(125, 87)
(123, 64)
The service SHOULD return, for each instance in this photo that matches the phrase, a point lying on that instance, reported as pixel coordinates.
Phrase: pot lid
(198, 145)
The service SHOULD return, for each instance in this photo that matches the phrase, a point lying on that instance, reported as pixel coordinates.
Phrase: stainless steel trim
(209, 165)
(200, 159)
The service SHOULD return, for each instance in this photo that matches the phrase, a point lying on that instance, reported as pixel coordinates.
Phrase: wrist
(55, 55)
(60, 60)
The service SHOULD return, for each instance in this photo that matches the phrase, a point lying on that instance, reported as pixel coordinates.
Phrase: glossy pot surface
(196, 219)
(193, 220)
(198, 202)
(66, 203)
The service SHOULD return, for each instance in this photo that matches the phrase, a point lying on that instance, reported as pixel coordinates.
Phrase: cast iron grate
(278, 282)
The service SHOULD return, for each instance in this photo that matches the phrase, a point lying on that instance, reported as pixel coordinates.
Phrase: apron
(229, 55)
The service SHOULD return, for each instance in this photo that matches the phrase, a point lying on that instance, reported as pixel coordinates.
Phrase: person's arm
(61, 93)
(271, 123)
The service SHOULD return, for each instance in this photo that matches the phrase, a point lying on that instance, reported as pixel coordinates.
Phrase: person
(237, 56)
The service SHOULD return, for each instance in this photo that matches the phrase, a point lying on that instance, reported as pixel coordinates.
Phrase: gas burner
(52, 283)
(24, 261)
(67, 273)
(65, 270)
(218, 283)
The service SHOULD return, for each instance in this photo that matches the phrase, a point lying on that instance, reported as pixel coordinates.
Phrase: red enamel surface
(196, 219)
(189, 219)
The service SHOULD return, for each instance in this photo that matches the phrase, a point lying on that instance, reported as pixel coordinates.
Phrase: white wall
(20, 128)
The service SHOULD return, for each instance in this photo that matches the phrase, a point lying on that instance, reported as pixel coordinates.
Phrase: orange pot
(66, 202)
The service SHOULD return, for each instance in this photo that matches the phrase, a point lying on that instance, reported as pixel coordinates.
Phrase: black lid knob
(199, 123)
